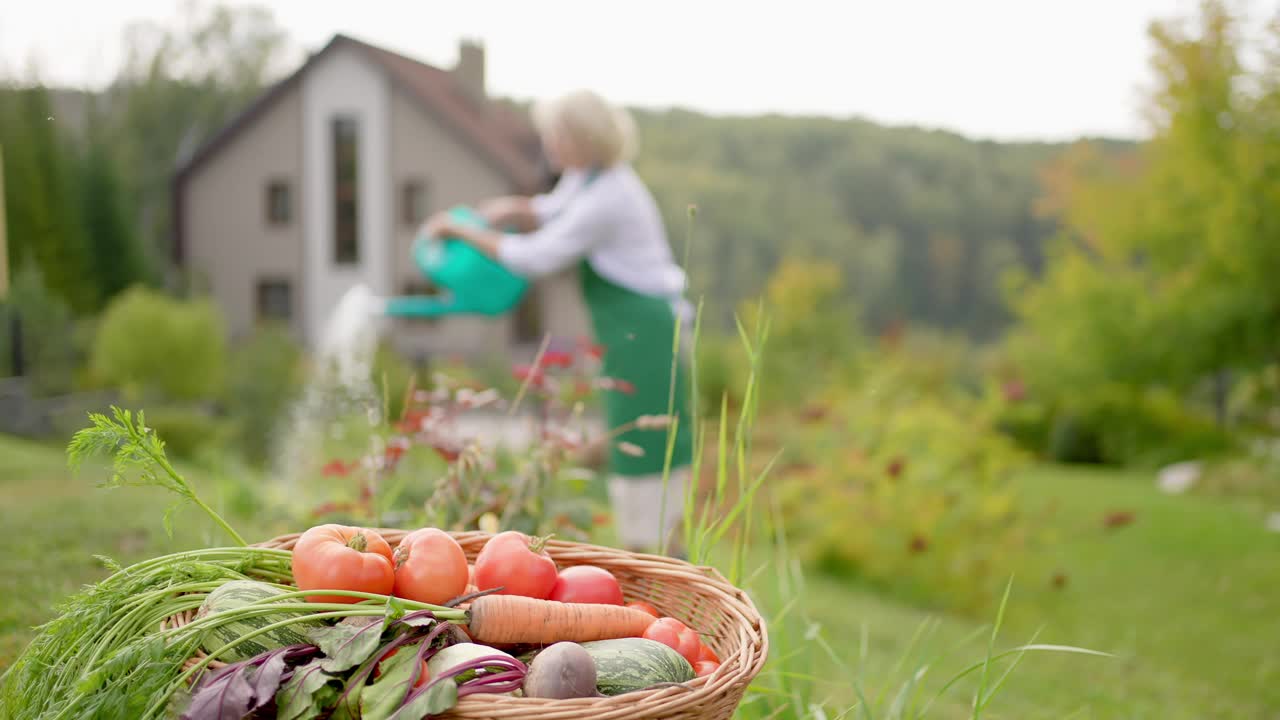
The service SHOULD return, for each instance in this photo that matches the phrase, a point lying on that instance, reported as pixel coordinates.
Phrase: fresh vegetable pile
(342, 626)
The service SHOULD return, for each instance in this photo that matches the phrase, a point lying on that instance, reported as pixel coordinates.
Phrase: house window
(346, 238)
(413, 203)
(279, 203)
(275, 299)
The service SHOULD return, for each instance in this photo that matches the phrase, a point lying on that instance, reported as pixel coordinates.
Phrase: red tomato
(519, 565)
(430, 567)
(707, 654)
(689, 645)
(677, 636)
(702, 668)
(664, 631)
(339, 557)
(674, 623)
(587, 584)
(644, 607)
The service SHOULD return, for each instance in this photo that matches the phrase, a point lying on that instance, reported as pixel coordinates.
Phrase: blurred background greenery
(980, 356)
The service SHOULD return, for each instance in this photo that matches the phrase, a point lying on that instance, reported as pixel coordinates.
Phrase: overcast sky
(1005, 69)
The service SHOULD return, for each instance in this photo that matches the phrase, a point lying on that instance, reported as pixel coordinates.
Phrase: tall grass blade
(991, 644)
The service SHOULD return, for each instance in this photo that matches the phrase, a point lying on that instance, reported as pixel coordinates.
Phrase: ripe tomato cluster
(681, 638)
(429, 566)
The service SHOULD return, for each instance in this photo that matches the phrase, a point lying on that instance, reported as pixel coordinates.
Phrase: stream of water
(339, 386)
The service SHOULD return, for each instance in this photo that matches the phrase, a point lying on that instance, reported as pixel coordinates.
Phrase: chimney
(470, 67)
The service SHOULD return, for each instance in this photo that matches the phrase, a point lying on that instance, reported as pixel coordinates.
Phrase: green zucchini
(630, 664)
(237, 594)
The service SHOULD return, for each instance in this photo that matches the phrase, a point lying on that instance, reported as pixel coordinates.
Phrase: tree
(40, 195)
(814, 330)
(179, 85)
(920, 224)
(113, 255)
(1163, 277)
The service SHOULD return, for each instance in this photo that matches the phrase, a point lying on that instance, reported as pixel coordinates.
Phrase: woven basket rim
(725, 685)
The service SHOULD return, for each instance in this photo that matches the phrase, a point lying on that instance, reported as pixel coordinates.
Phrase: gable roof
(503, 139)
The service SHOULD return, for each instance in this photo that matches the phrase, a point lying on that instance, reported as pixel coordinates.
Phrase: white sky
(1006, 69)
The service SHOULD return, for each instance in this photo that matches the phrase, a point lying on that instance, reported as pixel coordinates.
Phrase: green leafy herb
(139, 460)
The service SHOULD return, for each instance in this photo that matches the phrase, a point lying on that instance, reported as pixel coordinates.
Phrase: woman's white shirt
(612, 221)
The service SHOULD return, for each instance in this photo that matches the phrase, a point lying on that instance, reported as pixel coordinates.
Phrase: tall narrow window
(346, 235)
(413, 203)
(279, 203)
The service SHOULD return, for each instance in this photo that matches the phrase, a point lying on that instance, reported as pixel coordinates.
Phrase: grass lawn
(1186, 595)
(1186, 598)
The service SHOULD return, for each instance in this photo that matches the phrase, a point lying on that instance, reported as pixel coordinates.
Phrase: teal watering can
(474, 284)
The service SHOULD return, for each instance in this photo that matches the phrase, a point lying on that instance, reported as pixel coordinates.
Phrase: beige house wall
(231, 245)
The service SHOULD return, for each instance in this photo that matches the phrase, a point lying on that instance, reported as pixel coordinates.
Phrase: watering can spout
(418, 306)
(473, 284)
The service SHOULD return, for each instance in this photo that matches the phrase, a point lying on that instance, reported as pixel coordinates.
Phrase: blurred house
(322, 182)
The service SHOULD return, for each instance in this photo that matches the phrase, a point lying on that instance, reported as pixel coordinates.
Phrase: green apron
(637, 333)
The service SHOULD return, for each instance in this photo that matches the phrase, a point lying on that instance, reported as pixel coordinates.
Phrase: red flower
(590, 349)
(412, 421)
(919, 544)
(557, 358)
(337, 468)
(395, 450)
(331, 507)
(448, 453)
(534, 376)
(895, 467)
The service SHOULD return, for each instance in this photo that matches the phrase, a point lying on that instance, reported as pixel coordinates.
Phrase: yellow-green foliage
(814, 330)
(1164, 273)
(154, 344)
(909, 487)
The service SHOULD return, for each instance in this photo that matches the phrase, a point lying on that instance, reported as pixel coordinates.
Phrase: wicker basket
(699, 596)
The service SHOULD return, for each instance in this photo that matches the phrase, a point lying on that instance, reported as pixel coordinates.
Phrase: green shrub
(909, 489)
(1073, 439)
(1254, 402)
(1155, 428)
(263, 380)
(1116, 427)
(52, 340)
(155, 345)
(1028, 424)
(189, 431)
(721, 373)
(814, 330)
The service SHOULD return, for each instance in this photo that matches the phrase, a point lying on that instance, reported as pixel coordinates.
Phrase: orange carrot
(518, 619)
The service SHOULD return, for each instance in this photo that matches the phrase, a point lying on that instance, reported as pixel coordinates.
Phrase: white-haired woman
(602, 218)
